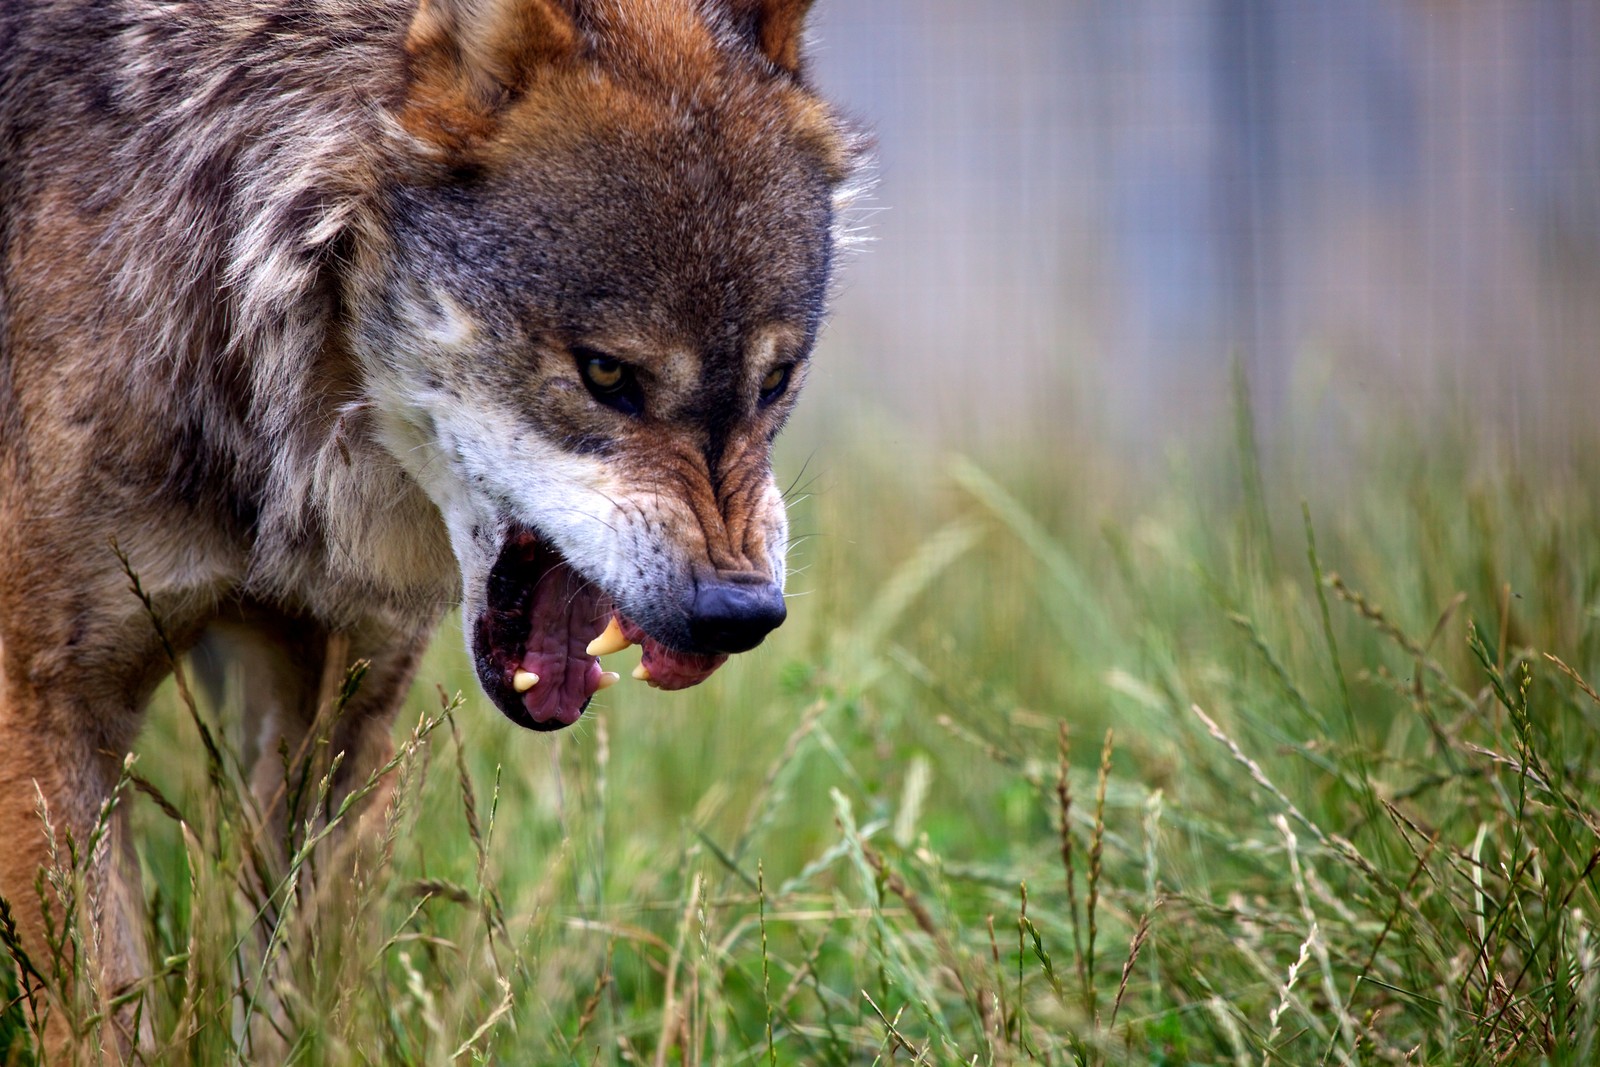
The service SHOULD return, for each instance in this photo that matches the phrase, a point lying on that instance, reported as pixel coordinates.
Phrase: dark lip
(491, 679)
(509, 701)
(503, 622)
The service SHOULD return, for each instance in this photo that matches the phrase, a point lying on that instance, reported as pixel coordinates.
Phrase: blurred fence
(1086, 209)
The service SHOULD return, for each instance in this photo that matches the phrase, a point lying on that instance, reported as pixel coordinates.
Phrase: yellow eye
(604, 372)
(609, 380)
(773, 384)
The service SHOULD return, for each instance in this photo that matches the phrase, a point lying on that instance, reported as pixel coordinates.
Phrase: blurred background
(1088, 209)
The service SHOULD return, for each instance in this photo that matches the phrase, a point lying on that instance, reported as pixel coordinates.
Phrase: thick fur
(290, 296)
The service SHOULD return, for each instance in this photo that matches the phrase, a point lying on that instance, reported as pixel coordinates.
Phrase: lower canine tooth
(609, 641)
(642, 673)
(607, 680)
(523, 681)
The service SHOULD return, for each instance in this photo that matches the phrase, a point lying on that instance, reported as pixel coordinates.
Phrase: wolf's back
(212, 154)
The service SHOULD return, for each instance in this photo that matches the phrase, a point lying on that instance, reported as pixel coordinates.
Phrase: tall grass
(1042, 769)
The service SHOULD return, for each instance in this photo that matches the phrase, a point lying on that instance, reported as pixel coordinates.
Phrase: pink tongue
(566, 615)
(669, 669)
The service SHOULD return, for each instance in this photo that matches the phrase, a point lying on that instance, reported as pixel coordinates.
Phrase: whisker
(804, 466)
(587, 515)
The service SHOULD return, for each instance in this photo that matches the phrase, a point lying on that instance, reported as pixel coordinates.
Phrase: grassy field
(1050, 765)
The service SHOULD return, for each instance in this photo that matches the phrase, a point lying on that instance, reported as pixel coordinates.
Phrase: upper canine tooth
(610, 641)
(523, 681)
(642, 673)
(607, 680)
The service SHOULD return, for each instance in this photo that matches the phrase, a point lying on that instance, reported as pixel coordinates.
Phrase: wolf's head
(601, 288)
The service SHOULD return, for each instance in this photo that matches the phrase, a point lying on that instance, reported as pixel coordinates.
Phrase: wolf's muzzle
(734, 611)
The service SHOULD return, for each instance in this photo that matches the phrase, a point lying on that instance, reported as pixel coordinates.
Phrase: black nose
(732, 613)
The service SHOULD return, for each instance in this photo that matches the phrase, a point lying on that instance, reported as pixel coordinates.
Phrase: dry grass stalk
(766, 974)
(897, 1038)
(673, 1016)
(1064, 804)
(1575, 676)
(1096, 851)
(1319, 948)
(894, 883)
(1140, 935)
(1285, 991)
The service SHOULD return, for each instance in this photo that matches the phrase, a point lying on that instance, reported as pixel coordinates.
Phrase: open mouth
(537, 645)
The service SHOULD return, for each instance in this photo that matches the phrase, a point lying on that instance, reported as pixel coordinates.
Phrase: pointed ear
(776, 26)
(466, 58)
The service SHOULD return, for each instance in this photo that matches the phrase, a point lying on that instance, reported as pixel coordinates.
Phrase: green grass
(1046, 767)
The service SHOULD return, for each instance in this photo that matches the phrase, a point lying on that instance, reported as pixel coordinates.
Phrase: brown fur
(290, 292)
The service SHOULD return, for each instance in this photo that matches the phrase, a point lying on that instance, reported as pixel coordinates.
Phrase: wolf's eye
(610, 381)
(773, 385)
(604, 372)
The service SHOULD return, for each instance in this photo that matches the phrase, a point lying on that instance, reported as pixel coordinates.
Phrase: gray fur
(290, 296)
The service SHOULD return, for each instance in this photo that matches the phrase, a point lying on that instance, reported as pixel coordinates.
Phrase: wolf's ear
(466, 58)
(776, 27)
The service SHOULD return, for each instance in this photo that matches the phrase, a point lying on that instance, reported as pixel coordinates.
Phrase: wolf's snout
(732, 613)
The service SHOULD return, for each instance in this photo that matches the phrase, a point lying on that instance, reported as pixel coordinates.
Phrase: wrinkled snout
(733, 612)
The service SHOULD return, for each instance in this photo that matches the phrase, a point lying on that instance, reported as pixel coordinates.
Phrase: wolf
(329, 315)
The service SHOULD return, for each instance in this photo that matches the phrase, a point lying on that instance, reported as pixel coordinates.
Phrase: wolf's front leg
(68, 879)
(313, 732)
(79, 657)
(289, 681)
